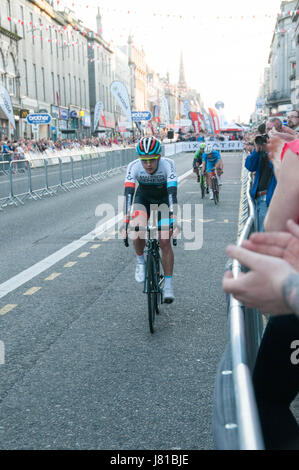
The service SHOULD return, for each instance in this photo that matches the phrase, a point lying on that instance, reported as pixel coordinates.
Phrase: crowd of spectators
(14, 150)
(204, 136)
(272, 281)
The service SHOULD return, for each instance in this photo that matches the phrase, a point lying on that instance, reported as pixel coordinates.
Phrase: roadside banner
(208, 121)
(120, 93)
(215, 120)
(228, 146)
(166, 109)
(196, 121)
(186, 108)
(6, 106)
(97, 113)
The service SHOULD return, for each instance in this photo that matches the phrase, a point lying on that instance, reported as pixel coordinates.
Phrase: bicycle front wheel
(202, 187)
(215, 191)
(152, 300)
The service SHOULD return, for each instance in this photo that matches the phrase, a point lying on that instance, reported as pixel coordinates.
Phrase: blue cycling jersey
(211, 160)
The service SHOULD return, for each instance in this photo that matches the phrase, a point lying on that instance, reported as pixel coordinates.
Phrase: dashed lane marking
(70, 264)
(94, 247)
(84, 254)
(7, 308)
(32, 290)
(52, 276)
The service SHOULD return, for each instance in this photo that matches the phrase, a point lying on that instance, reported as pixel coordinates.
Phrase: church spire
(99, 22)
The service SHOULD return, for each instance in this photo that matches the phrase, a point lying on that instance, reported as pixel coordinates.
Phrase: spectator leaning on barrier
(264, 181)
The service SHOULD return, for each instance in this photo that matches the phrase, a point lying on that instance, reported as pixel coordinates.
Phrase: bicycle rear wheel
(152, 297)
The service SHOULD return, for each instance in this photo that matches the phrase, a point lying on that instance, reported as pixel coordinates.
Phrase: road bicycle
(203, 183)
(154, 277)
(215, 186)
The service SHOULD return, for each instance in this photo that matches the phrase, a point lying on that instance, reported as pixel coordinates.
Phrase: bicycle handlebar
(140, 228)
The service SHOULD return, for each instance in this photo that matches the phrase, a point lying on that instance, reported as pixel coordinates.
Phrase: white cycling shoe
(168, 295)
(140, 272)
(211, 195)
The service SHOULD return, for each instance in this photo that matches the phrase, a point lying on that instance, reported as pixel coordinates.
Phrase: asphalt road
(82, 370)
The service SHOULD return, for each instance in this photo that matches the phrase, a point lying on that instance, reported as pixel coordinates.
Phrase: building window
(64, 91)
(35, 80)
(50, 40)
(31, 24)
(56, 40)
(43, 84)
(53, 86)
(9, 12)
(2, 70)
(70, 87)
(68, 45)
(59, 89)
(75, 88)
(62, 46)
(79, 47)
(84, 91)
(41, 34)
(26, 77)
(80, 93)
(23, 21)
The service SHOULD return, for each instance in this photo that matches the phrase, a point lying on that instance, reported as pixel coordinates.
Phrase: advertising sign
(120, 93)
(39, 118)
(139, 116)
(5, 104)
(99, 107)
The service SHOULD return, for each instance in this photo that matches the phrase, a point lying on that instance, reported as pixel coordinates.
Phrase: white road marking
(32, 291)
(7, 308)
(20, 279)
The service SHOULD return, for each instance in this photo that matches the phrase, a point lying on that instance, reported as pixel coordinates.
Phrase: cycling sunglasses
(150, 157)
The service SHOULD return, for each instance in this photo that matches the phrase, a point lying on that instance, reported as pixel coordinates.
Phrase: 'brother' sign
(39, 118)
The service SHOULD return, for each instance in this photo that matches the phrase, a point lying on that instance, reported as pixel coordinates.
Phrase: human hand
(285, 134)
(262, 287)
(283, 245)
(274, 147)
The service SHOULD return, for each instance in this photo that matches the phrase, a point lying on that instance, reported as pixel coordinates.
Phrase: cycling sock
(140, 259)
(167, 282)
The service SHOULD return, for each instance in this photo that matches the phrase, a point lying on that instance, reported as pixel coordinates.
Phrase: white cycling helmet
(208, 149)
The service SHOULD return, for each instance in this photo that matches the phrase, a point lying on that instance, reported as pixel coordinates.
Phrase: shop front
(73, 127)
(86, 123)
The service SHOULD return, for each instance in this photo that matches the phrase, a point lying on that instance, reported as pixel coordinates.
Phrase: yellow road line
(52, 276)
(70, 264)
(32, 291)
(7, 308)
(84, 254)
(94, 247)
(106, 239)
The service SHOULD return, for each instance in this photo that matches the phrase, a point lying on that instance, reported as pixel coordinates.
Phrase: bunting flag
(6, 106)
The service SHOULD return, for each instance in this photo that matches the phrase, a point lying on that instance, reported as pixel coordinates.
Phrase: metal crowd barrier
(32, 179)
(236, 423)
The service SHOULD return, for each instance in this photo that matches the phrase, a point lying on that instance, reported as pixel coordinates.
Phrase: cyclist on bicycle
(197, 161)
(157, 185)
(212, 159)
